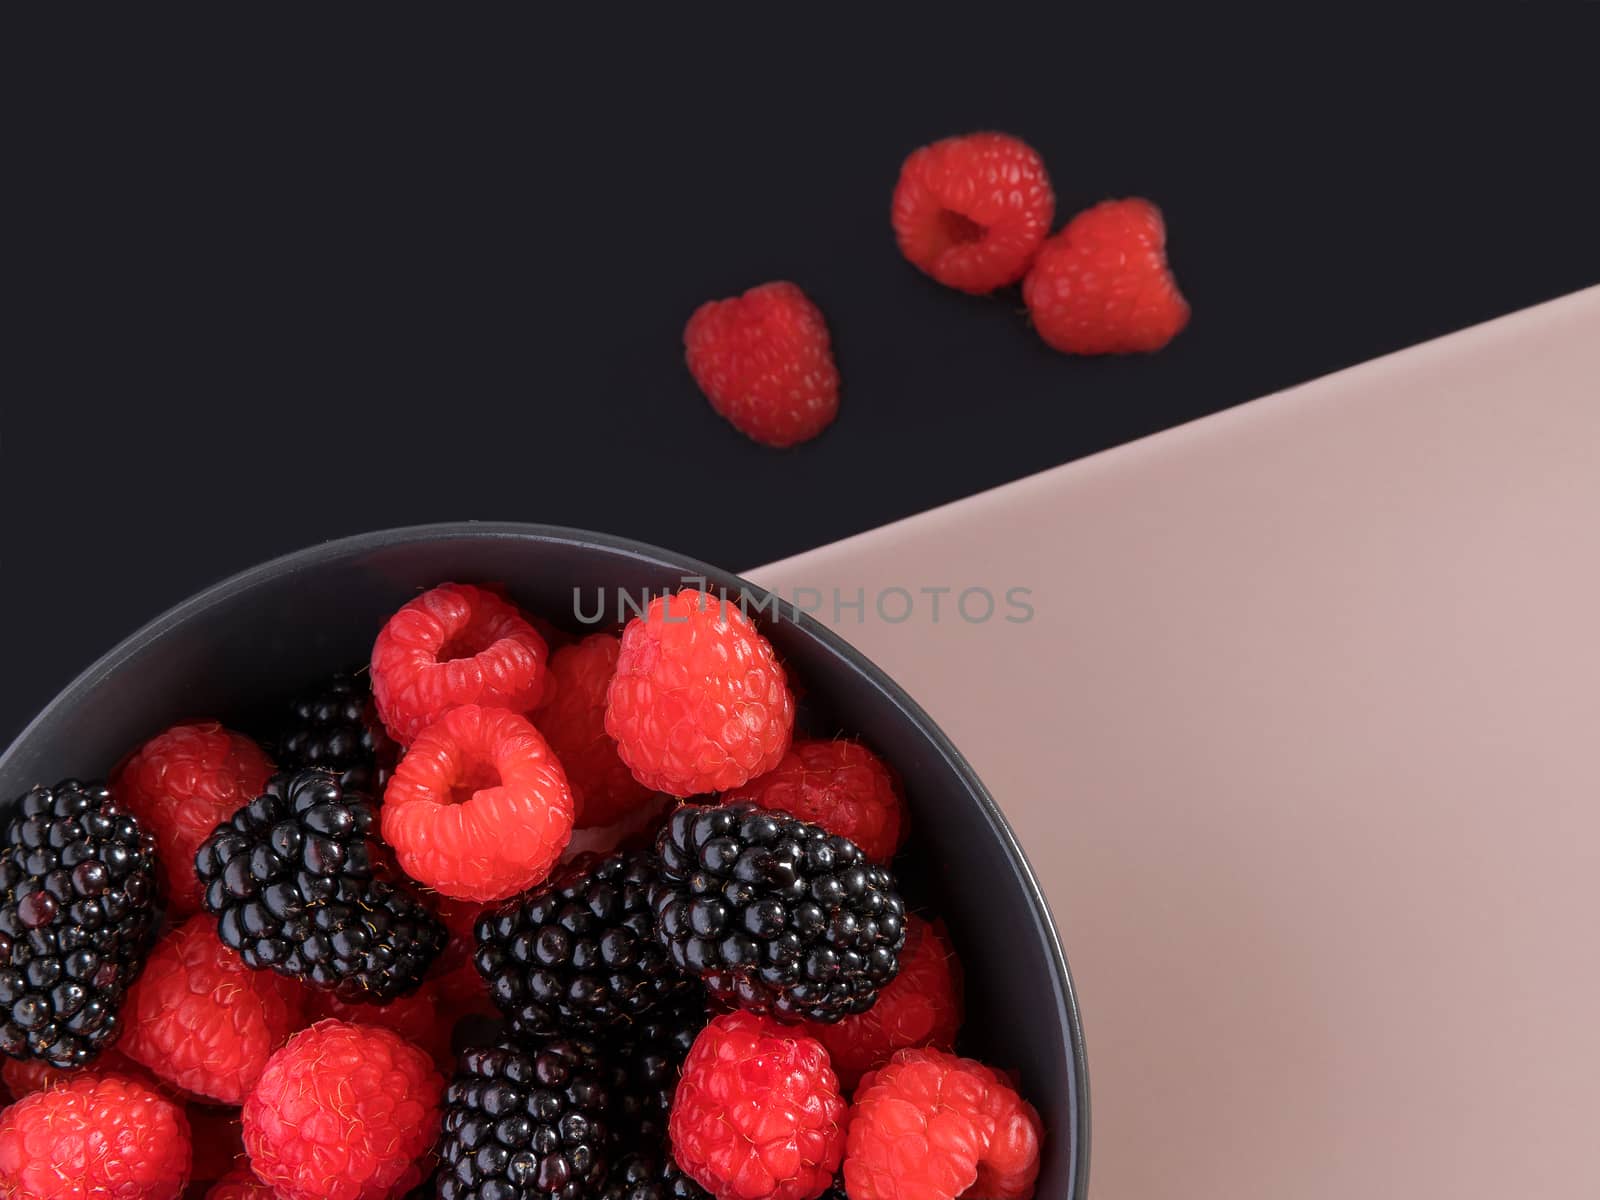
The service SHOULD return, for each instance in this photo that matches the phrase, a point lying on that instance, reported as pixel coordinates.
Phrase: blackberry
(77, 916)
(336, 728)
(300, 886)
(647, 1176)
(578, 954)
(649, 1060)
(775, 914)
(527, 1122)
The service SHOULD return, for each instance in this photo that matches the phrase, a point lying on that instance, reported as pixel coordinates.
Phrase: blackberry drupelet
(775, 914)
(77, 916)
(336, 728)
(300, 886)
(579, 954)
(526, 1122)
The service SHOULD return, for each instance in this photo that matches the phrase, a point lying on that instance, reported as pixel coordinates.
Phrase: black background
(285, 283)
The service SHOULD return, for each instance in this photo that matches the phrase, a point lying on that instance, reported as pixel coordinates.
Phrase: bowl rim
(309, 557)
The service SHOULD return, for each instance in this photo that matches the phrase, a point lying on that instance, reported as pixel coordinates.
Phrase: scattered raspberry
(241, 1184)
(181, 785)
(200, 1019)
(419, 1018)
(921, 1007)
(572, 718)
(479, 808)
(1102, 285)
(218, 1138)
(757, 1113)
(343, 1112)
(699, 702)
(94, 1137)
(456, 644)
(839, 785)
(972, 211)
(765, 362)
(931, 1126)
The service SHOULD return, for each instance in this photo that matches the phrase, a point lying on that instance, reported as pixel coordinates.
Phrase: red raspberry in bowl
(181, 785)
(572, 718)
(972, 211)
(757, 1114)
(699, 702)
(343, 1112)
(200, 1019)
(479, 808)
(839, 785)
(456, 644)
(94, 1136)
(922, 1006)
(765, 361)
(1102, 285)
(931, 1126)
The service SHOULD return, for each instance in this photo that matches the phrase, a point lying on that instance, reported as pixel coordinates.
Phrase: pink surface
(1304, 742)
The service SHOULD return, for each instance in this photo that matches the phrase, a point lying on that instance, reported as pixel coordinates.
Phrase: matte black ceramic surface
(243, 647)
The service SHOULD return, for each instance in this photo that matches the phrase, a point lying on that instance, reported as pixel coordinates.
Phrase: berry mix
(973, 213)
(487, 922)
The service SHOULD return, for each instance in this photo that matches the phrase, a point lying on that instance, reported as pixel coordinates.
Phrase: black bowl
(237, 650)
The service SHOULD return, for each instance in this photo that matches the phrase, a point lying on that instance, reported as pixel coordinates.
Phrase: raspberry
(572, 718)
(202, 1020)
(241, 1184)
(479, 808)
(839, 785)
(181, 785)
(1102, 285)
(764, 361)
(972, 211)
(94, 1137)
(456, 644)
(419, 1018)
(699, 702)
(921, 1007)
(931, 1126)
(343, 1112)
(758, 1113)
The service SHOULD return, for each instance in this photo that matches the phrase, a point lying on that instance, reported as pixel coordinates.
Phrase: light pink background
(1304, 742)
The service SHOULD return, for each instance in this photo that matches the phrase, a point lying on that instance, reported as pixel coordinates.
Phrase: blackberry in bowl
(263, 635)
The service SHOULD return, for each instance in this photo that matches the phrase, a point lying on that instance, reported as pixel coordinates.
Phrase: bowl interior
(240, 649)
